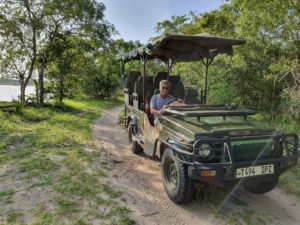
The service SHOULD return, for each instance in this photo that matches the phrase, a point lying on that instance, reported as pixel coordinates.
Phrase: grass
(44, 216)
(7, 196)
(45, 181)
(119, 216)
(210, 195)
(121, 116)
(13, 215)
(111, 192)
(64, 206)
(239, 202)
(46, 146)
(42, 163)
(244, 216)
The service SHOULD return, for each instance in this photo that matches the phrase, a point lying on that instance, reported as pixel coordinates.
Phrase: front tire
(133, 145)
(262, 186)
(178, 186)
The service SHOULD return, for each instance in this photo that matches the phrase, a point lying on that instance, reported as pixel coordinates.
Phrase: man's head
(164, 87)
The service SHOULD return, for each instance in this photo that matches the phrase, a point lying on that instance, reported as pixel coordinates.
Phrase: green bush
(18, 107)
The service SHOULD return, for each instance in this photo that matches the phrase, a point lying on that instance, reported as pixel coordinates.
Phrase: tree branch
(295, 6)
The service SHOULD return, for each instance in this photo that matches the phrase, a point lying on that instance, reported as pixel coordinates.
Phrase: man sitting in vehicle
(161, 101)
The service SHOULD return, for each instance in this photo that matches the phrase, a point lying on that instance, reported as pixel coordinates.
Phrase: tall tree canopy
(260, 72)
(26, 26)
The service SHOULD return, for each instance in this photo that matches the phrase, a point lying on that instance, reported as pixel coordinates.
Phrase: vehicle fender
(159, 149)
(162, 147)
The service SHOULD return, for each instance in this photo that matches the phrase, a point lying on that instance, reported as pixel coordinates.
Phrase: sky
(136, 19)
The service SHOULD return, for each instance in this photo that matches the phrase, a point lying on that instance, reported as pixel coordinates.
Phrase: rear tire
(261, 186)
(178, 186)
(134, 146)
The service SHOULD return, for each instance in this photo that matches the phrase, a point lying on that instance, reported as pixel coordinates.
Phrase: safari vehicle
(216, 144)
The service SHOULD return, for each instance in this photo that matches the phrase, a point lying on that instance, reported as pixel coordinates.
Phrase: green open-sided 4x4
(217, 144)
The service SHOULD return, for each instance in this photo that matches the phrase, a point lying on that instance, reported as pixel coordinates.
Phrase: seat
(138, 88)
(155, 92)
(131, 79)
(159, 76)
(177, 88)
(129, 85)
(124, 80)
(191, 95)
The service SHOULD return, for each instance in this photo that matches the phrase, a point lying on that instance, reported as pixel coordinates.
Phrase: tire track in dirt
(139, 178)
(134, 174)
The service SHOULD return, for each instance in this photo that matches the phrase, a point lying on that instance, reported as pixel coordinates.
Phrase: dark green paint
(190, 128)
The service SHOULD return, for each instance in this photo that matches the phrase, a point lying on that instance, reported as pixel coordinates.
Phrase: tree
(68, 59)
(173, 26)
(260, 70)
(27, 25)
(272, 27)
(102, 78)
(19, 29)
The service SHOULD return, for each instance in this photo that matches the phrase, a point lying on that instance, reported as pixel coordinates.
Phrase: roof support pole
(170, 63)
(206, 73)
(122, 67)
(144, 61)
(206, 64)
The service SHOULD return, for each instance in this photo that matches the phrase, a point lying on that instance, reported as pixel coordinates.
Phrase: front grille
(249, 150)
(244, 150)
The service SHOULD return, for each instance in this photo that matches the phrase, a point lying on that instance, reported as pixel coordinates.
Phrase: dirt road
(139, 178)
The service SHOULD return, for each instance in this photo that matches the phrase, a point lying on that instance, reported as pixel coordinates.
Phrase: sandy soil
(139, 178)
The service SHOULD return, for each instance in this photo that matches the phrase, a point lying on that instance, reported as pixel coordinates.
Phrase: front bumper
(225, 169)
(227, 172)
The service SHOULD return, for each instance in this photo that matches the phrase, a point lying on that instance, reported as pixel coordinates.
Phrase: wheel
(179, 187)
(134, 146)
(262, 186)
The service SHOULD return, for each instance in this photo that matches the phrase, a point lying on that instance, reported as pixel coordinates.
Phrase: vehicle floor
(139, 178)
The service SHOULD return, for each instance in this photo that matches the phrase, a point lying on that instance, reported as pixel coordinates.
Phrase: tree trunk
(61, 87)
(272, 100)
(22, 95)
(22, 88)
(24, 81)
(36, 91)
(41, 81)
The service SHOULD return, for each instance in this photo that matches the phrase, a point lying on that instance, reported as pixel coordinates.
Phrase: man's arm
(155, 111)
(153, 106)
(179, 100)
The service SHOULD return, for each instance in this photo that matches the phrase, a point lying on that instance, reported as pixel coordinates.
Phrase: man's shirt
(157, 102)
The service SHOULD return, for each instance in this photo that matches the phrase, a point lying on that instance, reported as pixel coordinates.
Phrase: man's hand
(157, 112)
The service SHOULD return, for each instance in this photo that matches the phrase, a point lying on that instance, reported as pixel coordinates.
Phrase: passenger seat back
(177, 88)
(131, 79)
(159, 76)
(148, 87)
(191, 95)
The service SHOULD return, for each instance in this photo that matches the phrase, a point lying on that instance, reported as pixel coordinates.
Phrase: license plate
(254, 171)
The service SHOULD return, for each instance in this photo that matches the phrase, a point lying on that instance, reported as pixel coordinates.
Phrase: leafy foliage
(259, 71)
(26, 27)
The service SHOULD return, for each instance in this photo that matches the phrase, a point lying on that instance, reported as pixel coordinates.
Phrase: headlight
(205, 151)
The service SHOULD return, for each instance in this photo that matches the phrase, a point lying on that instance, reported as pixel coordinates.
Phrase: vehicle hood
(218, 126)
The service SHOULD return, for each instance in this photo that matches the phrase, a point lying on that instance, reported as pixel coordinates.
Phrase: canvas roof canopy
(184, 48)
